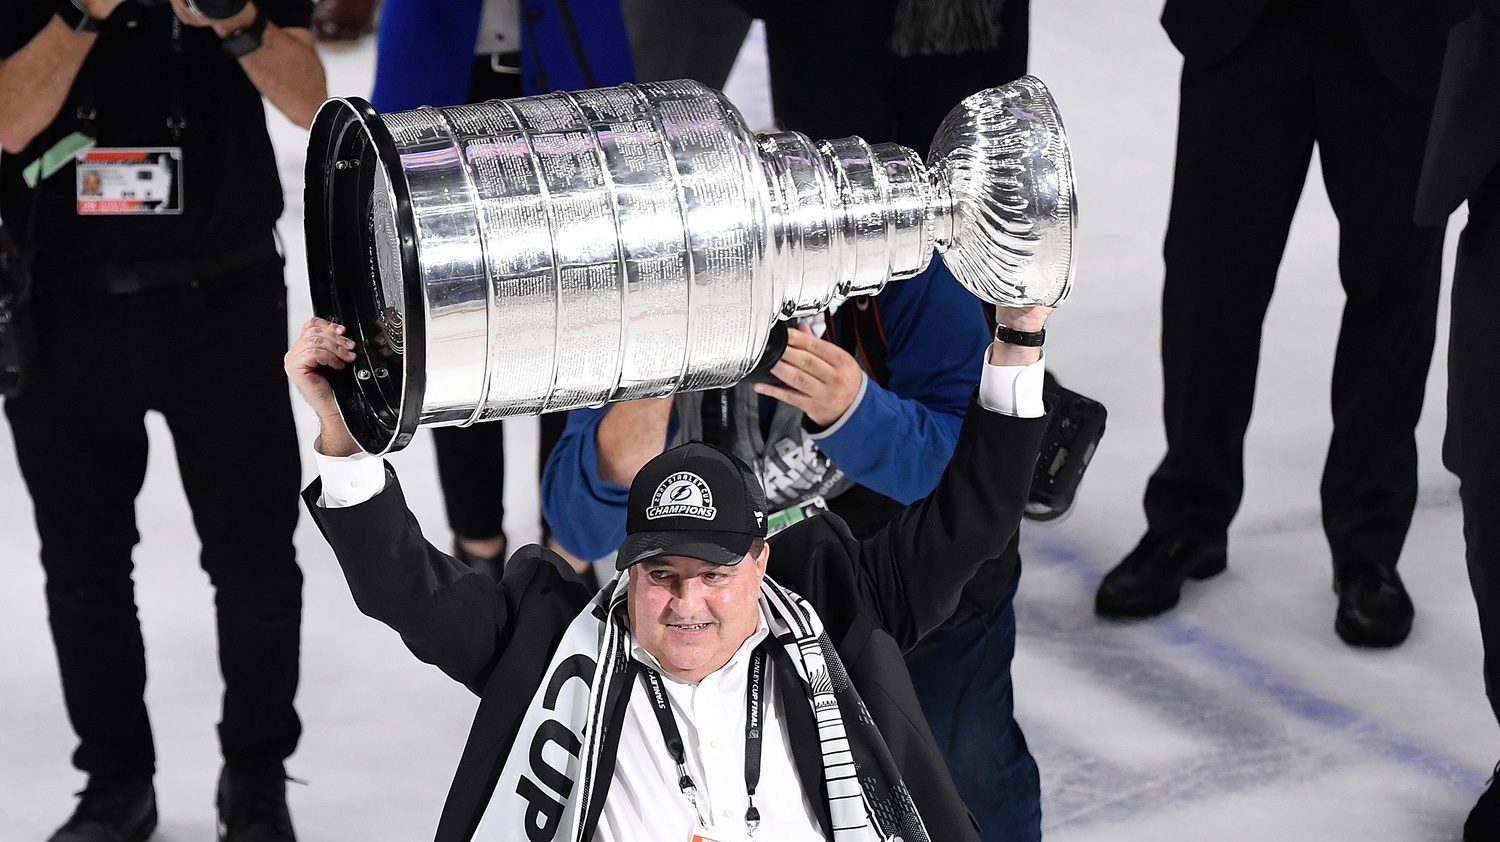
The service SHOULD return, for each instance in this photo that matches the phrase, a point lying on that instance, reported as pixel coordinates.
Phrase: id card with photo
(116, 181)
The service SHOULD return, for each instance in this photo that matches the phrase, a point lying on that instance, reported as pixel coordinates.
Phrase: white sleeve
(349, 480)
(1012, 389)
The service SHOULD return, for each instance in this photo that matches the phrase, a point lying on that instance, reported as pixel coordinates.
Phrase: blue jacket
(424, 50)
(897, 441)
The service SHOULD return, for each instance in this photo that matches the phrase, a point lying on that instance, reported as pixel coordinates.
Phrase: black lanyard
(88, 96)
(755, 714)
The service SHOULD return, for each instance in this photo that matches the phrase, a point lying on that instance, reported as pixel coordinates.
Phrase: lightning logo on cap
(683, 494)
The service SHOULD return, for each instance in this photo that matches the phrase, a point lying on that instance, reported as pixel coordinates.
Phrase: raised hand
(322, 343)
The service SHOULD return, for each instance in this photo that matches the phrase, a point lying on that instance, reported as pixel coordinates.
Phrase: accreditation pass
(115, 181)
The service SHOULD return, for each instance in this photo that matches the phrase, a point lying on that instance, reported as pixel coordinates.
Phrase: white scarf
(550, 782)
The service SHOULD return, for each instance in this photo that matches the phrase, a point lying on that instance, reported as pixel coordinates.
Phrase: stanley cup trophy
(552, 252)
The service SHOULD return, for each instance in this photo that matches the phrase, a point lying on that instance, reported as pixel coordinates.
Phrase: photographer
(139, 183)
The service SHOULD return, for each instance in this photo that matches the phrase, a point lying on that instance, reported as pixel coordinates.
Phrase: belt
(123, 278)
(508, 64)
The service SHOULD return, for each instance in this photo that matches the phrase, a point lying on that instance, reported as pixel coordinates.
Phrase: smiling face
(692, 616)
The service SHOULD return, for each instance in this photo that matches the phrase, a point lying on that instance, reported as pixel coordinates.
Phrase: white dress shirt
(645, 803)
(499, 28)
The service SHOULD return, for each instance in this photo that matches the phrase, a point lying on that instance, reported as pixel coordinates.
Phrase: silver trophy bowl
(552, 252)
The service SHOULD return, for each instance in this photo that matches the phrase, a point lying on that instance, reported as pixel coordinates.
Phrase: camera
(1072, 436)
(211, 9)
(775, 347)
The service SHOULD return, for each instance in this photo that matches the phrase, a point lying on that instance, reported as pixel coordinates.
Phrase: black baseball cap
(694, 500)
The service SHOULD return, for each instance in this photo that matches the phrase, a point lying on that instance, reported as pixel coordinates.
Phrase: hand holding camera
(816, 376)
(223, 16)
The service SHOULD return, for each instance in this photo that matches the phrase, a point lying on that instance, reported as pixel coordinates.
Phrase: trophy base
(351, 153)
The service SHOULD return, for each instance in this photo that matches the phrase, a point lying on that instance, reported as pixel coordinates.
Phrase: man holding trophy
(619, 244)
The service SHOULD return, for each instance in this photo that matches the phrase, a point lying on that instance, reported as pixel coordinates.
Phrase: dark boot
(111, 810)
(252, 804)
(1484, 820)
(1149, 580)
(1374, 609)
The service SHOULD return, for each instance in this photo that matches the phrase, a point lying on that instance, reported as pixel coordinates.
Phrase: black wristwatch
(245, 41)
(1024, 338)
(76, 17)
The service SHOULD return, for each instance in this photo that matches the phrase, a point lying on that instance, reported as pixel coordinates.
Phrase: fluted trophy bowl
(550, 252)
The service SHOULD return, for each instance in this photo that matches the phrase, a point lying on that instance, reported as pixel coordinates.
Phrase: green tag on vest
(56, 158)
(795, 514)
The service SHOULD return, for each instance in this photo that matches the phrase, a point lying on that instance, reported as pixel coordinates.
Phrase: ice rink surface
(1240, 716)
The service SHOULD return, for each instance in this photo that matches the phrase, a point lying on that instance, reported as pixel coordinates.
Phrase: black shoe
(1374, 609)
(490, 565)
(1484, 820)
(111, 810)
(252, 804)
(1149, 580)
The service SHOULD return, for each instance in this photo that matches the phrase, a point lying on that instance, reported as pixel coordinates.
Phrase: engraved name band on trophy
(559, 251)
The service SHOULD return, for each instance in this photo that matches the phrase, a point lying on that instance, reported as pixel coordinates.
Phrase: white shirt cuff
(864, 383)
(349, 480)
(1014, 390)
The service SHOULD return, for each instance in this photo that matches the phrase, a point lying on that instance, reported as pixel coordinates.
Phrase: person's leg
(928, 87)
(685, 39)
(962, 676)
(831, 68)
(81, 445)
(471, 472)
(1471, 447)
(219, 384)
(1471, 450)
(1238, 177)
(1371, 139)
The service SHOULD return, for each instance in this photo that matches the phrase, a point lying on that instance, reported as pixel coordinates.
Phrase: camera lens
(775, 347)
(216, 9)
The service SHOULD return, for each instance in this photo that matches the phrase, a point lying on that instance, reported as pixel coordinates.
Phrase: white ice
(1237, 717)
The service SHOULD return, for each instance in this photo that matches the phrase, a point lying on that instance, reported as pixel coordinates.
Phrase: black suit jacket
(877, 598)
(1406, 36)
(1463, 146)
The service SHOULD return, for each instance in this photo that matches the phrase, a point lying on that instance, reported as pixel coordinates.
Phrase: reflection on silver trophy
(551, 252)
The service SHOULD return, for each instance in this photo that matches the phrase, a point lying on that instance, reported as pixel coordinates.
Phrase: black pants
(1471, 448)
(833, 74)
(685, 39)
(208, 359)
(1245, 136)
(471, 470)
